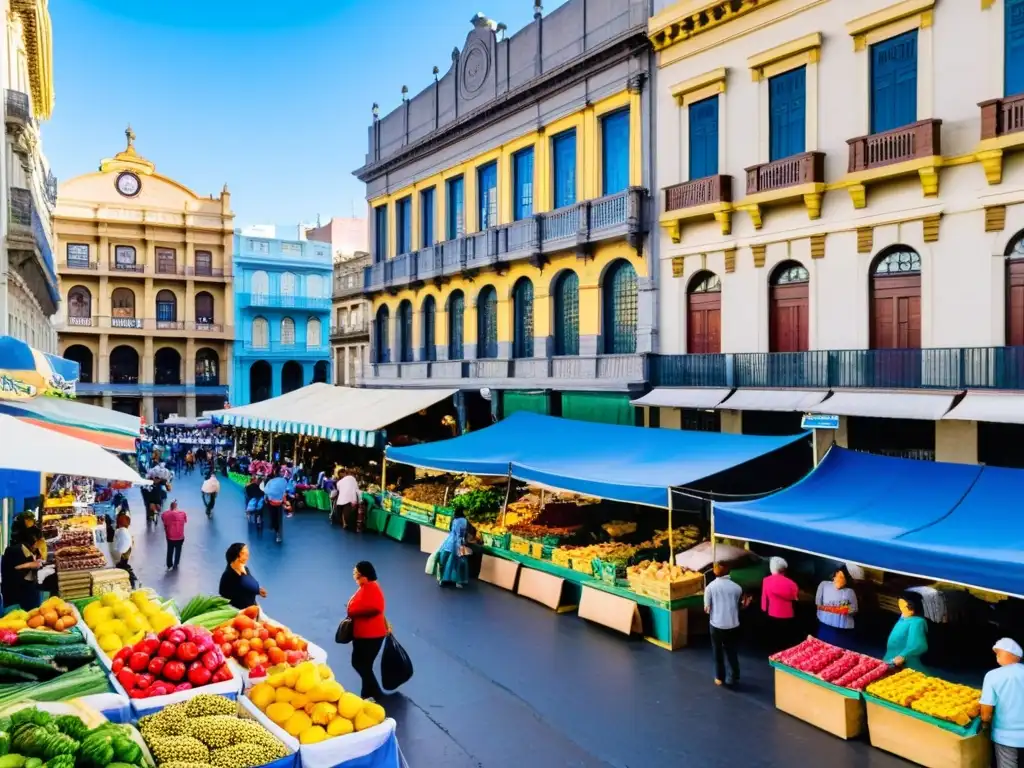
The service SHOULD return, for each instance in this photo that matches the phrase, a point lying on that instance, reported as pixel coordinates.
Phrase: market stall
(105, 427)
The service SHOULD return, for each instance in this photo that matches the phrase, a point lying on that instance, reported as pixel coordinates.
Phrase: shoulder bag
(343, 634)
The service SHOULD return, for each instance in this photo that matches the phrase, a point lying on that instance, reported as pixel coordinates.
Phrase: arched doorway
(124, 365)
(291, 377)
(167, 366)
(81, 354)
(404, 329)
(788, 308)
(567, 313)
(166, 309)
(320, 372)
(1015, 291)
(896, 299)
(429, 312)
(381, 342)
(704, 314)
(456, 325)
(522, 326)
(207, 368)
(260, 381)
(619, 295)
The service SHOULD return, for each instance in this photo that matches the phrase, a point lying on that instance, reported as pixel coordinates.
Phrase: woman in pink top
(778, 593)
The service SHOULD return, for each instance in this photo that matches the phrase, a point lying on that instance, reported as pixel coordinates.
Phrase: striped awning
(100, 426)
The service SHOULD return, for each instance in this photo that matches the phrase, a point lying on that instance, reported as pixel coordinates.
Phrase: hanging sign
(819, 421)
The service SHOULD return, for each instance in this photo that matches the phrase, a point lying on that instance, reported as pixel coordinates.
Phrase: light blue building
(282, 314)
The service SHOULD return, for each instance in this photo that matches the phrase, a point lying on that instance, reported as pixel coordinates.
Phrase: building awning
(773, 399)
(1000, 407)
(26, 372)
(929, 406)
(683, 397)
(100, 426)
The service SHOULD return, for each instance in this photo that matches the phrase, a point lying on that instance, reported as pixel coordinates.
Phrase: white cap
(1010, 646)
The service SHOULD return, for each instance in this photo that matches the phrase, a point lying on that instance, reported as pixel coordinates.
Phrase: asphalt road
(500, 681)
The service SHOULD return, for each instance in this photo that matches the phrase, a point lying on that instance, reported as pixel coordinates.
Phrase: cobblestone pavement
(500, 681)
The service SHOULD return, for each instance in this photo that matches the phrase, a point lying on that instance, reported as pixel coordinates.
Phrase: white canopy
(342, 414)
(34, 449)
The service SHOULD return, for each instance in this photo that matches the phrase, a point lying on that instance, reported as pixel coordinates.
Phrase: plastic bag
(395, 664)
(431, 564)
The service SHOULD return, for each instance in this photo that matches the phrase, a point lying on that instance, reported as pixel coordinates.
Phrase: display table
(546, 589)
(840, 711)
(925, 740)
(317, 499)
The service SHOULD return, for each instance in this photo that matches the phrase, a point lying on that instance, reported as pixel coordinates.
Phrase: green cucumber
(13, 761)
(37, 636)
(27, 664)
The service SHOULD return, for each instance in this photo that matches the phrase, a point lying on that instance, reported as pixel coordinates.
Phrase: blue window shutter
(456, 329)
(564, 167)
(404, 229)
(383, 349)
(523, 305)
(704, 138)
(894, 82)
(429, 344)
(567, 315)
(380, 250)
(523, 183)
(1013, 13)
(787, 99)
(487, 195)
(620, 301)
(427, 218)
(615, 152)
(405, 332)
(487, 324)
(456, 222)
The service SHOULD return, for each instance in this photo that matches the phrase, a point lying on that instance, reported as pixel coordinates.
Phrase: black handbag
(343, 634)
(395, 664)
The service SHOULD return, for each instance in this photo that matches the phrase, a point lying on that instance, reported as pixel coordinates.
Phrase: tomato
(269, 643)
(279, 638)
(275, 655)
(252, 659)
(218, 637)
(227, 649)
(248, 634)
(242, 622)
(256, 644)
(264, 633)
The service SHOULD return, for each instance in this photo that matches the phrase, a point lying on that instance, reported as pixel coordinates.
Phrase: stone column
(146, 374)
(190, 406)
(108, 402)
(275, 382)
(103, 363)
(956, 441)
(732, 422)
(147, 409)
(647, 314)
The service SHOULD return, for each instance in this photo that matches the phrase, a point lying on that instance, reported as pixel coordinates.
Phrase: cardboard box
(821, 707)
(923, 743)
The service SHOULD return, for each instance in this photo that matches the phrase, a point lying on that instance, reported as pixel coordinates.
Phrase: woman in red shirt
(778, 593)
(369, 628)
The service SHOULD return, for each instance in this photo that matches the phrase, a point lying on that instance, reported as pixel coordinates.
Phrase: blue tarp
(631, 464)
(951, 522)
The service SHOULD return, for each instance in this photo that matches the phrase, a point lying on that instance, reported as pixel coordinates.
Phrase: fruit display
(833, 664)
(207, 732)
(177, 659)
(609, 552)
(619, 528)
(73, 536)
(37, 739)
(435, 493)
(310, 705)
(683, 537)
(652, 570)
(257, 644)
(481, 505)
(118, 622)
(958, 704)
(53, 614)
(82, 558)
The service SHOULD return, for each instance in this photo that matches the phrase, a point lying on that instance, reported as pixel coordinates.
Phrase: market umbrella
(30, 448)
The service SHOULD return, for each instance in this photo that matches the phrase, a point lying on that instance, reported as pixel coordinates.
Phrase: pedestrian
(778, 593)
(190, 462)
(19, 571)
(837, 606)
(237, 584)
(346, 505)
(369, 627)
(174, 527)
(723, 598)
(451, 565)
(274, 491)
(201, 458)
(1002, 704)
(209, 490)
(122, 547)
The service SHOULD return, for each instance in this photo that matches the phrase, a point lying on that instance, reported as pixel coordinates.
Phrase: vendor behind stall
(908, 641)
(837, 605)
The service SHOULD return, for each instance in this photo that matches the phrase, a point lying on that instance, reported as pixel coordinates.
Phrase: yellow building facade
(146, 280)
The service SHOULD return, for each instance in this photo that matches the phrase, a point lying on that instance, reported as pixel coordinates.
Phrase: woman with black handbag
(366, 626)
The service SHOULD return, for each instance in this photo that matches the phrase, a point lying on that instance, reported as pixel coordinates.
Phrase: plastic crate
(496, 540)
(609, 573)
(561, 557)
(536, 550)
(519, 545)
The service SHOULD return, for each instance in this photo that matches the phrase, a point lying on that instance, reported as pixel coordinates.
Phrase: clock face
(128, 184)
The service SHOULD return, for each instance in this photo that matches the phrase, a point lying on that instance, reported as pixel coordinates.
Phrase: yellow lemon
(297, 723)
(262, 696)
(375, 712)
(313, 735)
(284, 694)
(363, 721)
(350, 705)
(339, 726)
(280, 711)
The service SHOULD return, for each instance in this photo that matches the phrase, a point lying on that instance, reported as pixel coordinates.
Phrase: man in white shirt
(122, 547)
(210, 489)
(346, 505)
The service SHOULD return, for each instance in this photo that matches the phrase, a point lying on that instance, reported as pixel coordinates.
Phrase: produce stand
(499, 571)
(839, 711)
(545, 588)
(925, 740)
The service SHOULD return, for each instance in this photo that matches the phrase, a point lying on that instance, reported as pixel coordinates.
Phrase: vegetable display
(84, 681)
(208, 611)
(37, 739)
(930, 696)
(118, 622)
(483, 504)
(178, 659)
(832, 664)
(53, 614)
(258, 644)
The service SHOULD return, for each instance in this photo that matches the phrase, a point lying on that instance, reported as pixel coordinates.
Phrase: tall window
(403, 216)
(1015, 292)
(620, 309)
(287, 331)
(703, 117)
(207, 365)
(704, 314)
(204, 263)
(427, 218)
(166, 261)
(522, 305)
(567, 314)
(487, 323)
(259, 283)
(563, 153)
(456, 325)
(166, 307)
(894, 82)
(404, 329)
(380, 233)
(1013, 47)
(80, 303)
(522, 183)
(487, 195)
(122, 302)
(78, 255)
(380, 335)
(456, 225)
(787, 113)
(615, 152)
(287, 284)
(429, 311)
(313, 333)
(124, 257)
(314, 286)
(789, 308)
(204, 308)
(260, 333)
(896, 299)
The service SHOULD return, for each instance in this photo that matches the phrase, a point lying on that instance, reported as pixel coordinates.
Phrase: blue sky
(272, 98)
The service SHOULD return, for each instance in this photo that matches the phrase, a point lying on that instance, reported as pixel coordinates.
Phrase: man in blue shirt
(1002, 703)
(723, 598)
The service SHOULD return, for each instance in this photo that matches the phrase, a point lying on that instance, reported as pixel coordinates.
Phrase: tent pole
(671, 544)
(714, 550)
(508, 492)
(383, 474)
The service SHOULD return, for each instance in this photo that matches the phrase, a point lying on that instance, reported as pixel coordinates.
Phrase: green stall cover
(601, 407)
(534, 402)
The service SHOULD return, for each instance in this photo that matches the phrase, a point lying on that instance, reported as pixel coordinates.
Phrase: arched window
(79, 305)
(287, 331)
(429, 310)
(487, 323)
(167, 366)
(207, 368)
(82, 355)
(896, 299)
(788, 308)
(204, 263)
(314, 286)
(166, 307)
(260, 333)
(204, 308)
(287, 284)
(122, 302)
(704, 314)
(259, 283)
(456, 325)
(1015, 291)
(124, 365)
(166, 261)
(381, 339)
(620, 309)
(567, 314)
(404, 331)
(124, 258)
(313, 333)
(522, 305)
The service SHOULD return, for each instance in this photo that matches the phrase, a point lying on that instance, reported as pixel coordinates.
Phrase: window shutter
(567, 315)
(1014, 47)
(564, 145)
(455, 219)
(429, 350)
(523, 346)
(894, 82)
(487, 195)
(704, 138)
(427, 217)
(523, 182)
(615, 152)
(620, 299)
(456, 329)
(787, 98)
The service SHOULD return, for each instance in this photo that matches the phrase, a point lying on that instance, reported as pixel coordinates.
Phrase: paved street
(500, 681)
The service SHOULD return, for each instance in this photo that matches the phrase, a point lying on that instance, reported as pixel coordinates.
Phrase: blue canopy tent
(620, 463)
(950, 522)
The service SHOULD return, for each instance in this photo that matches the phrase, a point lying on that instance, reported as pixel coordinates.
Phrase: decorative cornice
(38, 39)
(730, 259)
(859, 28)
(689, 18)
(678, 266)
(808, 44)
(930, 227)
(700, 87)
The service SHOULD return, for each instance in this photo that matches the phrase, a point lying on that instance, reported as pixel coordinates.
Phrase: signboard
(819, 421)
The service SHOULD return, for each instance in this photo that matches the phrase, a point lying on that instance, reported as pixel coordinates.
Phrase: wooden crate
(821, 707)
(666, 591)
(923, 743)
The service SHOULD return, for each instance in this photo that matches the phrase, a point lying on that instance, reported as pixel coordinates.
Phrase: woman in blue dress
(908, 641)
(452, 565)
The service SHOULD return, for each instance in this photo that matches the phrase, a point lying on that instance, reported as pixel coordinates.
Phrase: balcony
(128, 323)
(911, 149)
(350, 330)
(29, 252)
(348, 285)
(282, 349)
(198, 271)
(204, 327)
(169, 269)
(708, 197)
(79, 264)
(170, 325)
(17, 110)
(134, 389)
(81, 322)
(800, 177)
(283, 302)
(124, 266)
(1002, 129)
(576, 227)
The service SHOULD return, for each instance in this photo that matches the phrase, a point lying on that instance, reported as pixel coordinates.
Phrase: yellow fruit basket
(519, 545)
(561, 557)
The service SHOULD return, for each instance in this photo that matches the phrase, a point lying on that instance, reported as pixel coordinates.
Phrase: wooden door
(789, 313)
(896, 312)
(704, 325)
(1015, 303)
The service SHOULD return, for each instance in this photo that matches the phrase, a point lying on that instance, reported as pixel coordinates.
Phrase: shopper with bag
(366, 626)
(452, 565)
